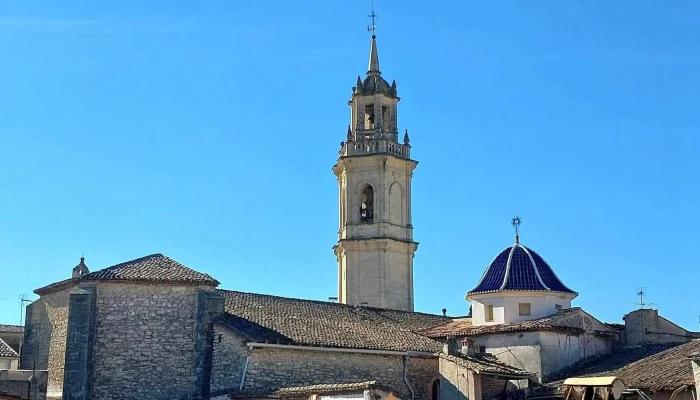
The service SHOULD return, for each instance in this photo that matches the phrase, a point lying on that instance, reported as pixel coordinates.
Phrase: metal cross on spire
(372, 28)
(516, 221)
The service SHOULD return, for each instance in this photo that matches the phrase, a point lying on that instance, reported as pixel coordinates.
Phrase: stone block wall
(458, 382)
(271, 368)
(27, 384)
(230, 353)
(45, 337)
(78, 369)
(491, 387)
(145, 341)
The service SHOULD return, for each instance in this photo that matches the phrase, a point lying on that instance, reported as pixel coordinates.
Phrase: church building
(152, 328)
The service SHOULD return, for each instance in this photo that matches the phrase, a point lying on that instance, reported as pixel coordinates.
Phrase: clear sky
(206, 131)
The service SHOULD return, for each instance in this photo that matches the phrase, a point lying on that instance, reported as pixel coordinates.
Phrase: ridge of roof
(464, 328)
(370, 308)
(155, 268)
(5, 328)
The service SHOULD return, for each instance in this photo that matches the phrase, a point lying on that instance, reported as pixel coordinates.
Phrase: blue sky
(206, 131)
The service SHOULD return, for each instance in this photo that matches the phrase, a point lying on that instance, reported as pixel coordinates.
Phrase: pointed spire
(349, 133)
(359, 83)
(406, 140)
(373, 58)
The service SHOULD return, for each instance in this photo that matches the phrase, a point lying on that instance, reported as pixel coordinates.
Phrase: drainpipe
(245, 368)
(405, 377)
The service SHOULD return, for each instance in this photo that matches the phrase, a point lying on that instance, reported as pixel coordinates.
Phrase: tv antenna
(642, 292)
(22, 301)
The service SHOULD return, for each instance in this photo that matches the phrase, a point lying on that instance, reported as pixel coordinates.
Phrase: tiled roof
(522, 269)
(6, 350)
(304, 391)
(282, 320)
(456, 327)
(155, 268)
(648, 367)
(11, 328)
(548, 323)
(486, 364)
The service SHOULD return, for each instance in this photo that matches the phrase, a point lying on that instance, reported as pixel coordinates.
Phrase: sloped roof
(155, 268)
(456, 327)
(305, 391)
(518, 268)
(486, 364)
(648, 367)
(463, 327)
(281, 320)
(6, 350)
(11, 328)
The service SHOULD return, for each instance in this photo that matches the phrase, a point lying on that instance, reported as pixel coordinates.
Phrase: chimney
(450, 347)
(468, 347)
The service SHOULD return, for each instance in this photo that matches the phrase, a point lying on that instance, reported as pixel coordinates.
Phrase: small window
(558, 307)
(489, 312)
(482, 349)
(524, 308)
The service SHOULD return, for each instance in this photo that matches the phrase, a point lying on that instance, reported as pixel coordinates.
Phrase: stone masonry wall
(229, 359)
(144, 345)
(45, 337)
(491, 387)
(274, 368)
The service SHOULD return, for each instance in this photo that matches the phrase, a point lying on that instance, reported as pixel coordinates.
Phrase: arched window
(435, 391)
(367, 204)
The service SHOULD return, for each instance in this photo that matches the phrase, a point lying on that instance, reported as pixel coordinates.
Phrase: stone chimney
(80, 269)
(450, 347)
(468, 347)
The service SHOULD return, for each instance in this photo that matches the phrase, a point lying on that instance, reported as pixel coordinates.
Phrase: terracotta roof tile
(456, 327)
(649, 367)
(6, 350)
(461, 327)
(273, 319)
(486, 364)
(11, 328)
(304, 391)
(151, 268)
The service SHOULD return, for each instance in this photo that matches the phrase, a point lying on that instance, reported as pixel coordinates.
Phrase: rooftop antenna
(516, 221)
(372, 28)
(641, 292)
(22, 301)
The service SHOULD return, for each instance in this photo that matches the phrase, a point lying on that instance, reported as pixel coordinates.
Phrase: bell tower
(375, 239)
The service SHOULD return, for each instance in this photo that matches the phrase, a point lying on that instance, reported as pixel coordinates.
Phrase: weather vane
(516, 221)
(372, 28)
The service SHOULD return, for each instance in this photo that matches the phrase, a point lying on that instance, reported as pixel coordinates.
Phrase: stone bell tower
(375, 241)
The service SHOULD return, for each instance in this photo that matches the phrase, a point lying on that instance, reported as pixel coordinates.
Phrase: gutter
(409, 353)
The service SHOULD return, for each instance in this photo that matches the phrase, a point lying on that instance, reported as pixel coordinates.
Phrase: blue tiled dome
(518, 268)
